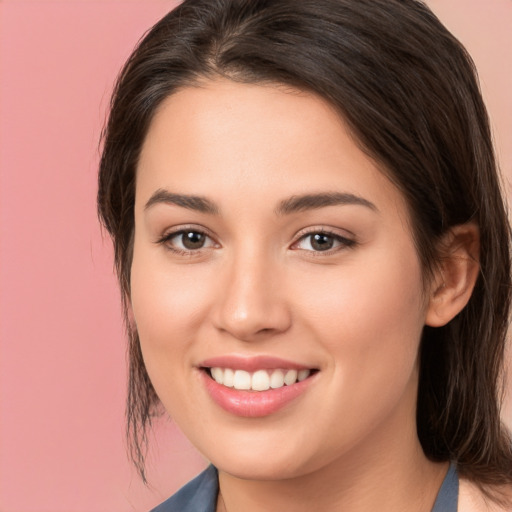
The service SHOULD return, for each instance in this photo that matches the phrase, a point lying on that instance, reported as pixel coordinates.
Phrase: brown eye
(321, 242)
(186, 241)
(193, 240)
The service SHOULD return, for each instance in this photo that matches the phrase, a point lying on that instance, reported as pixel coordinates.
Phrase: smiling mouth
(259, 380)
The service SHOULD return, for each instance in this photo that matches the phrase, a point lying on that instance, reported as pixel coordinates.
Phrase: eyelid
(177, 230)
(347, 240)
(328, 230)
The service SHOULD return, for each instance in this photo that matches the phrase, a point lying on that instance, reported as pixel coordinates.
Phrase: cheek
(164, 297)
(370, 313)
(168, 308)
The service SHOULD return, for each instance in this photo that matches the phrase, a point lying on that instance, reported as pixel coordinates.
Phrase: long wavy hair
(409, 93)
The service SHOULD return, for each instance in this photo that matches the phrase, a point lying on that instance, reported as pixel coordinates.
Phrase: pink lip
(254, 404)
(251, 364)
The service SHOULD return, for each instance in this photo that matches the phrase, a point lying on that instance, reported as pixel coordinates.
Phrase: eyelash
(167, 237)
(345, 243)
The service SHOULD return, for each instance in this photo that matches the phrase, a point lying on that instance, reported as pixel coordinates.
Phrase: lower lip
(253, 404)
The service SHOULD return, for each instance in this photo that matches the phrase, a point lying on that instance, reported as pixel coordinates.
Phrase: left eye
(319, 242)
(189, 240)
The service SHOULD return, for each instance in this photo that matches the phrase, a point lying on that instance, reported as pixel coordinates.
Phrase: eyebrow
(197, 203)
(314, 201)
(294, 204)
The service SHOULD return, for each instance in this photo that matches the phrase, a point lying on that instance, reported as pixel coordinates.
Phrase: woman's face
(270, 247)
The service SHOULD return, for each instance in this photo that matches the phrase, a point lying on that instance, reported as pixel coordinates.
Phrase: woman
(314, 256)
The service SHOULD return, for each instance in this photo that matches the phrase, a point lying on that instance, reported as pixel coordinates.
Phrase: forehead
(259, 142)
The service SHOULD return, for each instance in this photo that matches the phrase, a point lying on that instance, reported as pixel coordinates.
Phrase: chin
(264, 463)
(269, 470)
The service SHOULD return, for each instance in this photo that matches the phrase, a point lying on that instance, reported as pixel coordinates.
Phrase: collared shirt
(200, 494)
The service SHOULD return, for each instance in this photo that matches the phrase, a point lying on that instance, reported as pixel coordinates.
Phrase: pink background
(62, 360)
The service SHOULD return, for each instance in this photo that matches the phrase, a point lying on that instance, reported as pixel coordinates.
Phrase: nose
(251, 302)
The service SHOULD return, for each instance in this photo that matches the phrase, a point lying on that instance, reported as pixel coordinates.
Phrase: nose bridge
(251, 303)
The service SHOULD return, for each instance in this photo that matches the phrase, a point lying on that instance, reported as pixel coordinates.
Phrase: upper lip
(251, 363)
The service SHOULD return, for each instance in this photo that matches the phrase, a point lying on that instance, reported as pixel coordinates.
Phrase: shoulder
(472, 499)
(199, 495)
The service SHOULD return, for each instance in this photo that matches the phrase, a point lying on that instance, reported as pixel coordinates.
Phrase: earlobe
(456, 275)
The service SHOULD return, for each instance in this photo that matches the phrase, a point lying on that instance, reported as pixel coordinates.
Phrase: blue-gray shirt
(200, 494)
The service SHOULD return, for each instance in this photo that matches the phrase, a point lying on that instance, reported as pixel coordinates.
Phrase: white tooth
(229, 376)
(242, 380)
(303, 374)
(277, 379)
(260, 380)
(217, 374)
(290, 377)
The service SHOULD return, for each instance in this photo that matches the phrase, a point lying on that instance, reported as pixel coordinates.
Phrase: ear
(456, 274)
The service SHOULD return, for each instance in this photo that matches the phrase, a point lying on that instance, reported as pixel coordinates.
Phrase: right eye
(187, 241)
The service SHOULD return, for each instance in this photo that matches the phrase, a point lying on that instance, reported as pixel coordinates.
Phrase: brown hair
(409, 93)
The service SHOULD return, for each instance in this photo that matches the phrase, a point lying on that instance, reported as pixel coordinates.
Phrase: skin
(258, 287)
